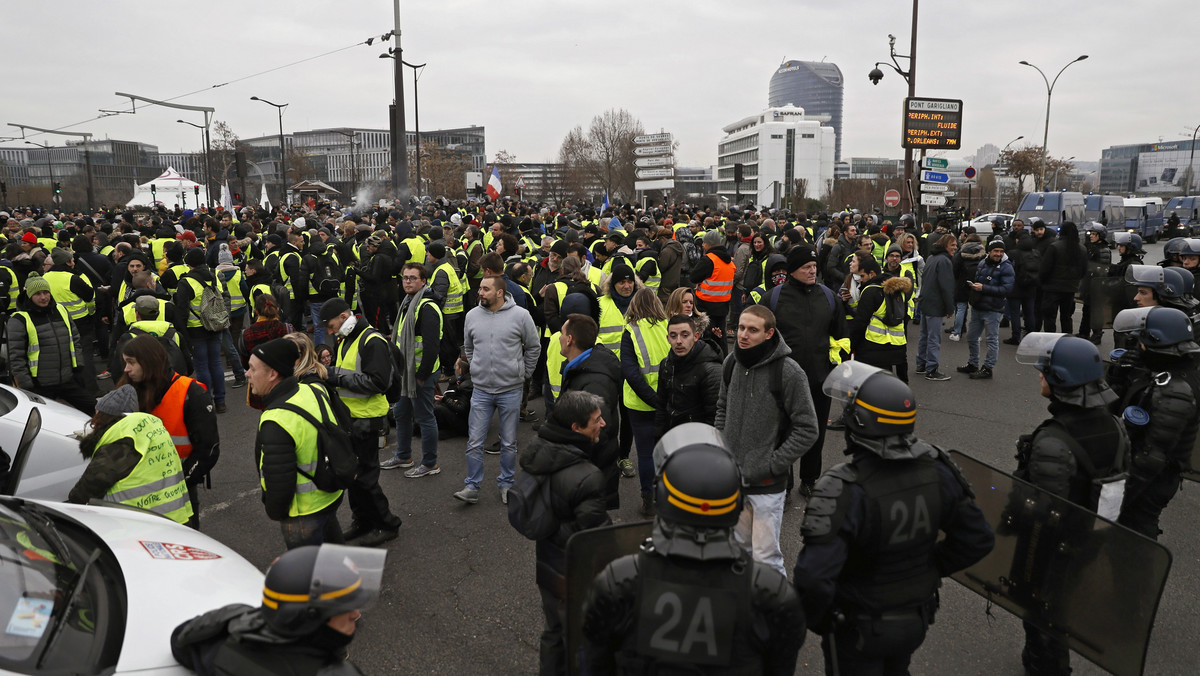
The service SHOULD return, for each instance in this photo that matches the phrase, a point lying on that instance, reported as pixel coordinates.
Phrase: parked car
(987, 224)
(52, 464)
(89, 589)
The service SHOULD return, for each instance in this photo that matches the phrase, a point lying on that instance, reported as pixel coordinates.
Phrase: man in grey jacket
(936, 301)
(501, 345)
(768, 426)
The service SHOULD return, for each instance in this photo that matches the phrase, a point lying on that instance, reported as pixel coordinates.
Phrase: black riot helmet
(1163, 330)
(1173, 248)
(877, 404)
(699, 483)
(1071, 366)
(309, 585)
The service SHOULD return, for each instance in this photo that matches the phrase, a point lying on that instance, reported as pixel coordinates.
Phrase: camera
(875, 76)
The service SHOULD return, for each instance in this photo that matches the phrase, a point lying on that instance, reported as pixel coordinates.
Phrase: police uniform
(872, 563)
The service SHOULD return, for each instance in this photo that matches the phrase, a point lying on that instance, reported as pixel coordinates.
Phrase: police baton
(838, 620)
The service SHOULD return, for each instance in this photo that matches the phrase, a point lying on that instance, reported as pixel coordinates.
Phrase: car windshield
(1040, 201)
(61, 594)
(1133, 213)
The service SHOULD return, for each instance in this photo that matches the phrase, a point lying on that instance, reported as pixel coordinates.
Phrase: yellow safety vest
(307, 499)
(554, 366)
(651, 282)
(471, 247)
(283, 275)
(60, 288)
(197, 292)
(595, 275)
(360, 405)
(454, 294)
(34, 349)
(651, 347)
(882, 334)
(418, 340)
(156, 482)
(910, 270)
(14, 289)
(416, 250)
(156, 327)
(129, 311)
(157, 246)
(237, 301)
(612, 324)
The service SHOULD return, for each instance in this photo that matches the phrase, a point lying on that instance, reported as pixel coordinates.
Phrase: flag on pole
(227, 198)
(494, 189)
(604, 207)
(265, 202)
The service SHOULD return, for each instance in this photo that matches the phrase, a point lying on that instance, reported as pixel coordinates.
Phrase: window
(808, 135)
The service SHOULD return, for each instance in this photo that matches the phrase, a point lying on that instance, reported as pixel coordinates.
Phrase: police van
(1188, 211)
(1054, 208)
(1107, 210)
(1144, 215)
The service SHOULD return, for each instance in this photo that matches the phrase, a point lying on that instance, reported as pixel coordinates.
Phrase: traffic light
(237, 197)
(197, 189)
(153, 188)
(57, 188)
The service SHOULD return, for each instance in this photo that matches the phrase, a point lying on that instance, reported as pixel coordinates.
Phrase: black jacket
(429, 327)
(376, 364)
(688, 388)
(600, 374)
(576, 496)
(966, 262)
(1060, 272)
(804, 319)
(1026, 263)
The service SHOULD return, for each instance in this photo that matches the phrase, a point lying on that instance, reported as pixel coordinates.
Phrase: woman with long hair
(309, 368)
(683, 302)
(644, 346)
(756, 267)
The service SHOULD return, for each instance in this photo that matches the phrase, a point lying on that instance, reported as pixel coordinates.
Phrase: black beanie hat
(194, 257)
(437, 250)
(332, 308)
(799, 256)
(280, 354)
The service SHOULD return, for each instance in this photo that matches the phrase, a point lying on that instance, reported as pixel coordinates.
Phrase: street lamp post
(208, 112)
(49, 166)
(1056, 173)
(416, 117)
(910, 76)
(282, 153)
(1191, 171)
(202, 129)
(1049, 92)
(353, 137)
(399, 133)
(996, 208)
(87, 154)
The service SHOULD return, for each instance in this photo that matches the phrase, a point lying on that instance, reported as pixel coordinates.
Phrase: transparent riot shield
(1091, 583)
(1109, 295)
(588, 553)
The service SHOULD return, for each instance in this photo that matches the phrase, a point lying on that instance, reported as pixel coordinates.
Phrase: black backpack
(180, 360)
(337, 464)
(329, 276)
(529, 508)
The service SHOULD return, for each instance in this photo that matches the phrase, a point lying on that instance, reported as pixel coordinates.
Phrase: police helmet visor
(1125, 238)
(1093, 226)
(1144, 275)
(1191, 247)
(1037, 347)
(684, 436)
(844, 381)
(1132, 320)
(332, 586)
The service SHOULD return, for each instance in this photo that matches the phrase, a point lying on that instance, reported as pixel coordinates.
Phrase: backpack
(895, 309)
(776, 387)
(214, 311)
(329, 276)
(529, 507)
(692, 251)
(337, 464)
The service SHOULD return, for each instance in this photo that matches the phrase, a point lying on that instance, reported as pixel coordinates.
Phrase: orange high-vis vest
(170, 412)
(718, 288)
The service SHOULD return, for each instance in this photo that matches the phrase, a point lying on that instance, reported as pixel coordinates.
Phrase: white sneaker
(955, 337)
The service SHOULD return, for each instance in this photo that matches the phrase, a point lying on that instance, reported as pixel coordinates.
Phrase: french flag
(494, 189)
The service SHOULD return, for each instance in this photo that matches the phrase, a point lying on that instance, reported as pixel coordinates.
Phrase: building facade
(815, 86)
(776, 148)
(1151, 168)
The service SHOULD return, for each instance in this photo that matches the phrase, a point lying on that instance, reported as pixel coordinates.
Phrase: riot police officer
(1160, 401)
(1075, 452)
(1099, 262)
(1129, 249)
(871, 565)
(692, 600)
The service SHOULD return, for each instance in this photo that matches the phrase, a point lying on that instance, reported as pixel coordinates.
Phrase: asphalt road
(459, 595)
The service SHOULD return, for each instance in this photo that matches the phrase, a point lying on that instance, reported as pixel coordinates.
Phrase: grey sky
(529, 70)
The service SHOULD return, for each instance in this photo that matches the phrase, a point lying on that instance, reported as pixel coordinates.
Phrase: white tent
(171, 188)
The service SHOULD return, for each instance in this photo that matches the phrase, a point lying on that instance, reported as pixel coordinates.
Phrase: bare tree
(1021, 163)
(505, 161)
(225, 145)
(603, 156)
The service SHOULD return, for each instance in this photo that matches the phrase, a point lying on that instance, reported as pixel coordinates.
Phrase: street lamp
(395, 54)
(910, 76)
(207, 188)
(87, 153)
(49, 167)
(353, 136)
(1056, 172)
(1006, 145)
(282, 153)
(1049, 92)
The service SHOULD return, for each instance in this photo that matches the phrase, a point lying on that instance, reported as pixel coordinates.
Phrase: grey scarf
(407, 332)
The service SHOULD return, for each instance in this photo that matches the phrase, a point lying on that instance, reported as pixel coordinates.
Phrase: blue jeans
(960, 317)
(982, 320)
(929, 345)
(206, 353)
(483, 406)
(235, 360)
(642, 423)
(312, 529)
(419, 407)
(314, 308)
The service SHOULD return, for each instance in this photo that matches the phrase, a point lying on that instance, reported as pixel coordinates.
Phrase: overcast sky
(530, 70)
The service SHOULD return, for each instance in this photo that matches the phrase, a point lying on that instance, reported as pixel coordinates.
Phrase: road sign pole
(969, 201)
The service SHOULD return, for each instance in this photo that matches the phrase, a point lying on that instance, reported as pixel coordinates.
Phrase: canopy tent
(171, 188)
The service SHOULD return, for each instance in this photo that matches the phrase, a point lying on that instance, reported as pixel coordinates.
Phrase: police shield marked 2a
(588, 553)
(1062, 568)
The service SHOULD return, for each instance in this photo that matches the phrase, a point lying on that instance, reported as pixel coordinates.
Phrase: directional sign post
(645, 151)
(655, 173)
(647, 139)
(934, 187)
(934, 163)
(661, 184)
(934, 177)
(653, 161)
(933, 200)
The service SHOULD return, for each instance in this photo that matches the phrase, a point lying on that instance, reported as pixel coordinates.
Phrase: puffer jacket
(576, 496)
(1059, 271)
(997, 280)
(54, 363)
(966, 261)
(750, 419)
(688, 388)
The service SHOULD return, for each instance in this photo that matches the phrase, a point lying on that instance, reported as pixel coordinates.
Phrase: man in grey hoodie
(501, 345)
(765, 438)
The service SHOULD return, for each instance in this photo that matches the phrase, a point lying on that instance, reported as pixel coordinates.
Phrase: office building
(1150, 168)
(815, 86)
(776, 148)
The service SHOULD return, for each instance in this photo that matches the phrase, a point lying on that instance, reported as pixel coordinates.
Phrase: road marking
(229, 503)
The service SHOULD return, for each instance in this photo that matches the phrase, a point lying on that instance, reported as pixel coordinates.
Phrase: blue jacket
(998, 280)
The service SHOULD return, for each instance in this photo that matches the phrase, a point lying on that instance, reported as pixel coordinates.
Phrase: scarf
(408, 344)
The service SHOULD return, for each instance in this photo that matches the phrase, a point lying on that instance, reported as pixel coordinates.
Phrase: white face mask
(858, 278)
(347, 326)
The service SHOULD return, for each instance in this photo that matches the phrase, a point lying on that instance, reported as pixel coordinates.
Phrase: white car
(53, 464)
(86, 589)
(985, 224)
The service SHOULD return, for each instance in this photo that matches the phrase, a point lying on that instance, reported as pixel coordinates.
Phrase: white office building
(776, 148)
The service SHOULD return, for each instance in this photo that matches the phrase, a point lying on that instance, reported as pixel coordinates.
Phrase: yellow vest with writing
(156, 482)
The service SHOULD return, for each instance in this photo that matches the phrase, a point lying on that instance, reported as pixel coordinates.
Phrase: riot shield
(1109, 295)
(588, 553)
(1090, 583)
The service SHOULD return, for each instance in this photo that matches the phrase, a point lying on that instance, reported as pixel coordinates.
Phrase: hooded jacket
(937, 284)
(836, 266)
(502, 346)
(1060, 272)
(876, 293)
(576, 495)
(670, 264)
(965, 262)
(600, 373)
(1025, 261)
(750, 419)
(688, 388)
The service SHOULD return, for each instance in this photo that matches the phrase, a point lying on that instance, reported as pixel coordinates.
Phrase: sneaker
(529, 416)
(955, 337)
(936, 375)
(355, 531)
(397, 463)
(1012, 341)
(105, 375)
(221, 407)
(984, 373)
(806, 490)
(378, 536)
(968, 369)
(835, 424)
(920, 370)
(504, 495)
(239, 382)
(493, 449)
(421, 470)
(626, 466)
(468, 495)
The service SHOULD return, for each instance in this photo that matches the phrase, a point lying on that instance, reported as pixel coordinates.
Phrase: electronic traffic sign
(932, 123)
